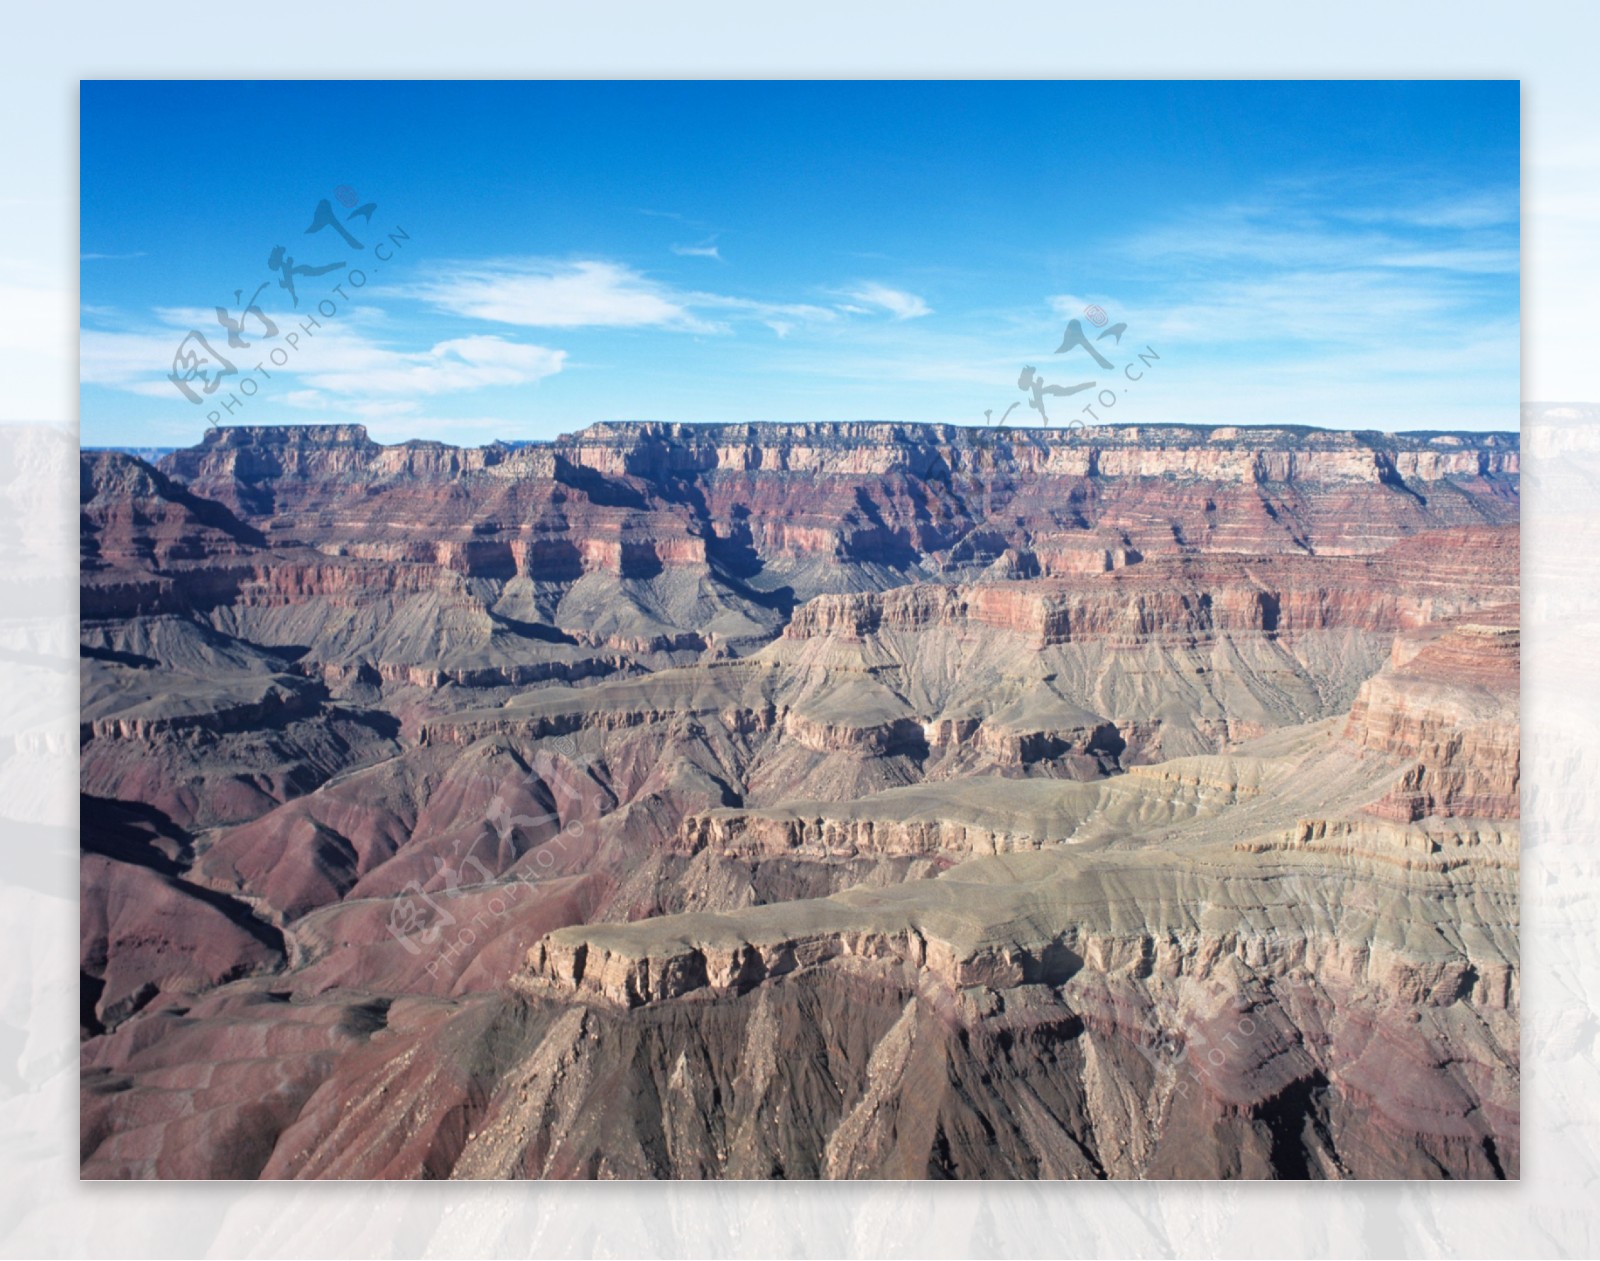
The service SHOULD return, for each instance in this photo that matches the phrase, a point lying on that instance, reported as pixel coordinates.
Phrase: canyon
(851, 800)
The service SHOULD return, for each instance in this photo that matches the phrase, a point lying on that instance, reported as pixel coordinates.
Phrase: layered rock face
(859, 800)
(634, 497)
(1450, 703)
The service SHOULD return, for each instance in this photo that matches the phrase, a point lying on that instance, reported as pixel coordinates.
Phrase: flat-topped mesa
(275, 448)
(320, 435)
(651, 449)
(1279, 453)
(255, 453)
(639, 497)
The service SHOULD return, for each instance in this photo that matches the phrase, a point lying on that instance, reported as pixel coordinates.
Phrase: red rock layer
(434, 799)
(628, 498)
(1450, 702)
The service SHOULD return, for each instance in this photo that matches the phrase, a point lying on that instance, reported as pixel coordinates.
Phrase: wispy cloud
(674, 216)
(90, 258)
(1478, 208)
(706, 249)
(340, 361)
(1070, 306)
(1313, 225)
(537, 293)
(1347, 308)
(596, 293)
(781, 317)
(898, 303)
(448, 367)
(1463, 259)
(1302, 270)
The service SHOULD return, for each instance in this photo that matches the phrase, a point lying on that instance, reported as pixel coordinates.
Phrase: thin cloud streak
(341, 361)
(707, 249)
(542, 294)
(898, 303)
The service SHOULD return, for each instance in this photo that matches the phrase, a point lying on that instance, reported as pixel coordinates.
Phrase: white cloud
(464, 363)
(541, 294)
(898, 303)
(1400, 309)
(592, 293)
(1463, 259)
(123, 359)
(1259, 237)
(339, 360)
(789, 314)
(1070, 306)
(1481, 209)
(597, 293)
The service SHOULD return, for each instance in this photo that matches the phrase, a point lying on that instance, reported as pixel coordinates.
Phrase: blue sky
(1340, 254)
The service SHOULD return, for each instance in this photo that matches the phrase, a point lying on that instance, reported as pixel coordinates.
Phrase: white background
(1550, 47)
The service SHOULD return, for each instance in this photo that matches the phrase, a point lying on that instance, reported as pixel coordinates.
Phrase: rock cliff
(852, 800)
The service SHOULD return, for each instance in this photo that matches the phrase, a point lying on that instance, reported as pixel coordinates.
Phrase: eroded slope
(857, 800)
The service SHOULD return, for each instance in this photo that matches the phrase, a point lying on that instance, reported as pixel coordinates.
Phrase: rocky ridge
(802, 800)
